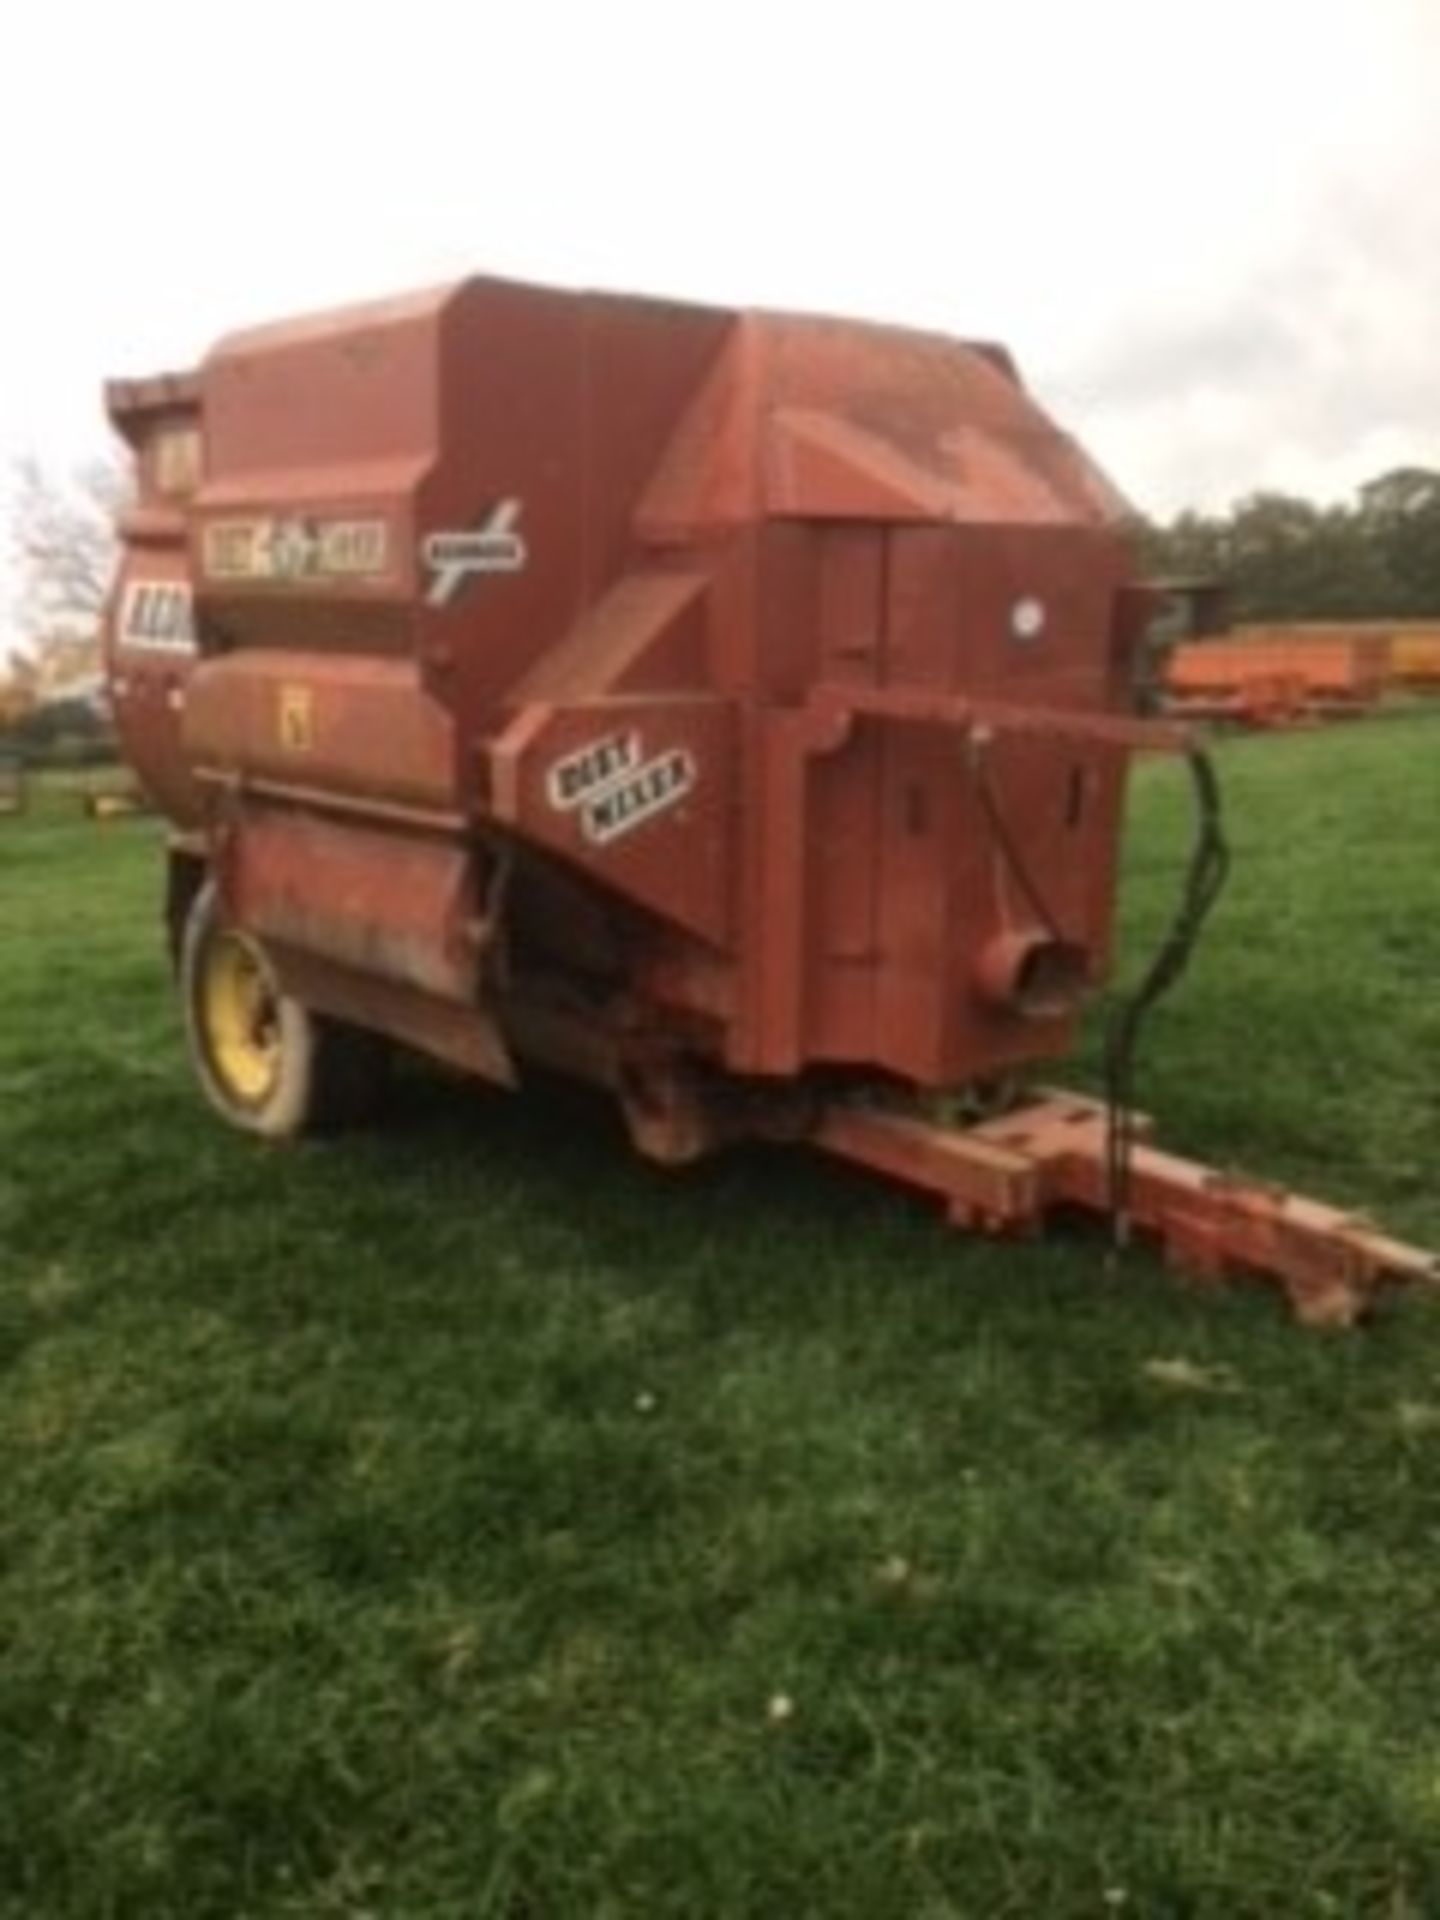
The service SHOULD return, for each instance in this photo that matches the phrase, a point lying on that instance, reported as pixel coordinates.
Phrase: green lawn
(442, 1522)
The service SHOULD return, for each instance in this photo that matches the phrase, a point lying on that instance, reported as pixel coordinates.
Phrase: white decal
(612, 786)
(639, 796)
(592, 768)
(1027, 618)
(158, 614)
(354, 548)
(296, 547)
(495, 546)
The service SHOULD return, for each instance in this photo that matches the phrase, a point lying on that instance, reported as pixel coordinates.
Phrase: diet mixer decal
(614, 788)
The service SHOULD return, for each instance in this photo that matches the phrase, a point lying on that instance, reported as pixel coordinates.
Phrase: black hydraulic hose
(1205, 878)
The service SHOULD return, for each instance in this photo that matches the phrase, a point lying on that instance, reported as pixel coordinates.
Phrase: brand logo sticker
(286, 547)
(453, 559)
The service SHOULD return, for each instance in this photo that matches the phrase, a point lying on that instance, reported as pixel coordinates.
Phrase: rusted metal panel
(347, 724)
(462, 1036)
(380, 902)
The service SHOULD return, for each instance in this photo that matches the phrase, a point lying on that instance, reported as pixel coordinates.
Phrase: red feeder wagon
(731, 709)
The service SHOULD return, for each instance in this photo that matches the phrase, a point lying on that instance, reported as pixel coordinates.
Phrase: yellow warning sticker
(297, 719)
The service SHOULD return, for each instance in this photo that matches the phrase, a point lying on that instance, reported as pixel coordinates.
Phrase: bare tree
(64, 543)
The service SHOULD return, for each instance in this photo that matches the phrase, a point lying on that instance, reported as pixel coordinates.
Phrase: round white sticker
(1027, 618)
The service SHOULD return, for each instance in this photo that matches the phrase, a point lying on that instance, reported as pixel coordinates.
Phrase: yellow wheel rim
(239, 1007)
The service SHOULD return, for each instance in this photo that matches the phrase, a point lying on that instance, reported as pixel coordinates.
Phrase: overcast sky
(1209, 231)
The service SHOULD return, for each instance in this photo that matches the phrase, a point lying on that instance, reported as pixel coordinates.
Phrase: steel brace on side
(1004, 1176)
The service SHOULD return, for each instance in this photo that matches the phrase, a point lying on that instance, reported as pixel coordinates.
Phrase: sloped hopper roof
(831, 419)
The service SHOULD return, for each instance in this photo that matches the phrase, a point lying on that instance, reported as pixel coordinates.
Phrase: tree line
(1286, 558)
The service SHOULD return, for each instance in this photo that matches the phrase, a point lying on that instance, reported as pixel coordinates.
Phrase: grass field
(471, 1521)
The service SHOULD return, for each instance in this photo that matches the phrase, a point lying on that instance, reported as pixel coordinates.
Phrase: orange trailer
(1278, 674)
(1415, 656)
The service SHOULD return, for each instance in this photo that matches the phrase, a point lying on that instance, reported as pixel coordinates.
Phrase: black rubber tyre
(265, 1062)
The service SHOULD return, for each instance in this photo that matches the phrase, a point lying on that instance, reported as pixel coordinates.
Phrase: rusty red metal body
(734, 708)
